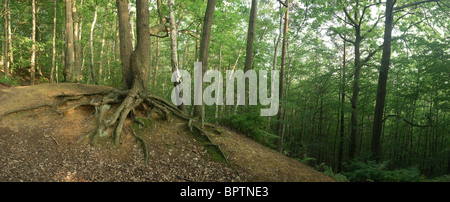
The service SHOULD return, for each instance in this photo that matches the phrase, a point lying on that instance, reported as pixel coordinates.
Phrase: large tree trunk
(125, 43)
(199, 110)
(70, 51)
(140, 62)
(251, 36)
(33, 46)
(283, 65)
(382, 80)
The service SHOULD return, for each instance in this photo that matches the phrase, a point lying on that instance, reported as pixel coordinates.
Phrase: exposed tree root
(109, 118)
(28, 108)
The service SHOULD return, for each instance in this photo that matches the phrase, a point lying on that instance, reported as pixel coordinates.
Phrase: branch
(350, 18)
(366, 7)
(413, 4)
(284, 4)
(408, 122)
(345, 39)
(191, 33)
(343, 20)
(373, 27)
(416, 125)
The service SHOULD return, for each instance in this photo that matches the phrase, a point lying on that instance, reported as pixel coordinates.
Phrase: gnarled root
(108, 117)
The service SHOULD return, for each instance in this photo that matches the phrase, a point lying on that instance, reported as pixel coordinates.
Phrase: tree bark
(382, 80)
(355, 95)
(10, 41)
(133, 39)
(77, 43)
(140, 62)
(70, 51)
(33, 46)
(199, 110)
(155, 79)
(251, 36)
(5, 45)
(91, 42)
(53, 43)
(283, 65)
(102, 51)
(125, 43)
(174, 46)
(342, 121)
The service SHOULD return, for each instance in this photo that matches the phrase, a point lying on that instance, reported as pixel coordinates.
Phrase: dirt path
(41, 145)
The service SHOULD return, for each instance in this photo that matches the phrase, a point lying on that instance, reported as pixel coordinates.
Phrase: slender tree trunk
(342, 128)
(155, 80)
(10, 40)
(102, 51)
(33, 46)
(53, 43)
(216, 115)
(132, 34)
(382, 80)
(283, 64)
(199, 110)
(5, 43)
(355, 96)
(174, 46)
(91, 42)
(117, 43)
(77, 43)
(70, 51)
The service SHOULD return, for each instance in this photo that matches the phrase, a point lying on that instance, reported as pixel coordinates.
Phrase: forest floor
(40, 144)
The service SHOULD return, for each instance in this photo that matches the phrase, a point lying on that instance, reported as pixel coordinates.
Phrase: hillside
(38, 142)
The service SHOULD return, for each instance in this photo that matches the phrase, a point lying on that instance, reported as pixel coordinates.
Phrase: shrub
(371, 171)
(251, 124)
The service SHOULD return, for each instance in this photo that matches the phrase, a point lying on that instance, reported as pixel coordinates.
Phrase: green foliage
(371, 171)
(308, 160)
(444, 178)
(252, 124)
(9, 80)
(327, 170)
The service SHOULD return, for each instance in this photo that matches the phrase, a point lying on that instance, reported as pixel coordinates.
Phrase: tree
(69, 69)
(174, 45)
(5, 42)
(383, 75)
(199, 110)
(33, 46)
(125, 43)
(251, 36)
(91, 45)
(53, 43)
(283, 66)
(76, 42)
(357, 23)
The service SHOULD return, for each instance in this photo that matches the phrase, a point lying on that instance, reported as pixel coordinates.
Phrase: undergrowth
(251, 124)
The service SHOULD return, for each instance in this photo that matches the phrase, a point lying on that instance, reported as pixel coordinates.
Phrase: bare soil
(38, 144)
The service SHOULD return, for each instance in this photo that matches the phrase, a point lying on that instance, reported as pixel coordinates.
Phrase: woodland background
(330, 54)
